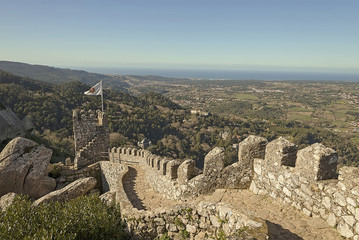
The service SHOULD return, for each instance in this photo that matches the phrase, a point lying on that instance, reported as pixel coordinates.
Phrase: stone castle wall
(106, 173)
(307, 179)
(181, 179)
(110, 175)
(70, 175)
(188, 221)
(91, 135)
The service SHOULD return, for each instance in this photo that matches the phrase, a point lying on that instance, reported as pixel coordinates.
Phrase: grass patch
(298, 116)
(340, 124)
(340, 115)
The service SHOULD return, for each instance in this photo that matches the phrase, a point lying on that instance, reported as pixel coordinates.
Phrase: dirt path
(284, 222)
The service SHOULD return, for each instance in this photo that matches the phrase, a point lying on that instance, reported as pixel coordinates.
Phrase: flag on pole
(95, 90)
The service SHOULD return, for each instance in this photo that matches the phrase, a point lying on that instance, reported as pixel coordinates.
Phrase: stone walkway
(283, 221)
(140, 192)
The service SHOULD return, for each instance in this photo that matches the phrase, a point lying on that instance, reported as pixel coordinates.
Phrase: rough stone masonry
(306, 179)
(91, 135)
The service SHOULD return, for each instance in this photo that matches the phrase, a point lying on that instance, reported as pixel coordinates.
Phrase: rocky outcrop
(37, 183)
(109, 198)
(11, 126)
(7, 200)
(75, 189)
(23, 168)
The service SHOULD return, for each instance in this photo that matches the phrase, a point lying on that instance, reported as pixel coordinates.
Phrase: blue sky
(224, 34)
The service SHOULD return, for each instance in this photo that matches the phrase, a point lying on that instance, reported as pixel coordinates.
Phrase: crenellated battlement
(181, 179)
(96, 118)
(161, 165)
(314, 163)
(128, 154)
(307, 178)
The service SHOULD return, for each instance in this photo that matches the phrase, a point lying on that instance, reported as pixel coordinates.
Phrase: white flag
(95, 90)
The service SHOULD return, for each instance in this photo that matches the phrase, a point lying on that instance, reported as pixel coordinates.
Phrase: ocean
(231, 74)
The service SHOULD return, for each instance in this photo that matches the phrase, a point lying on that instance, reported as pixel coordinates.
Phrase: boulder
(27, 123)
(37, 183)
(109, 198)
(23, 165)
(11, 126)
(7, 200)
(75, 189)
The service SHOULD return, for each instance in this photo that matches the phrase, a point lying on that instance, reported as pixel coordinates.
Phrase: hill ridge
(57, 75)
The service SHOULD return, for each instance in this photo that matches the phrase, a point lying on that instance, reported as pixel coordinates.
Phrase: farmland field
(328, 105)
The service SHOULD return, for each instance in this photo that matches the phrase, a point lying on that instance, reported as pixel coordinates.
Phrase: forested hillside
(174, 131)
(61, 75)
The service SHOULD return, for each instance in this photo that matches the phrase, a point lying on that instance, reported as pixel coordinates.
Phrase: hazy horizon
(304, 34)
(243, 73)
(227, 74)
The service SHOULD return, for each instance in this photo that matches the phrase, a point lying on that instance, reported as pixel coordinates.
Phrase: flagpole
(102, 95)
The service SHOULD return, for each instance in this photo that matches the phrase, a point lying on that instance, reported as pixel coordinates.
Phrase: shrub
(81, 218)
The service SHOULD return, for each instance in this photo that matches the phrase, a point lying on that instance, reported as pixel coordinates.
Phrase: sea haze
(231, 74)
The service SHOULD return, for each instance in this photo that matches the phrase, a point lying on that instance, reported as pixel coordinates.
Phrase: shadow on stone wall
(129, 187)
(181, 179)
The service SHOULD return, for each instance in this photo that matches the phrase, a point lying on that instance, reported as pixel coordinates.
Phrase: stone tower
(92, 137)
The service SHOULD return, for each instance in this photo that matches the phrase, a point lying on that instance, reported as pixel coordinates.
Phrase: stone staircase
(89, 154)
(84, 150)
(92, 137)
